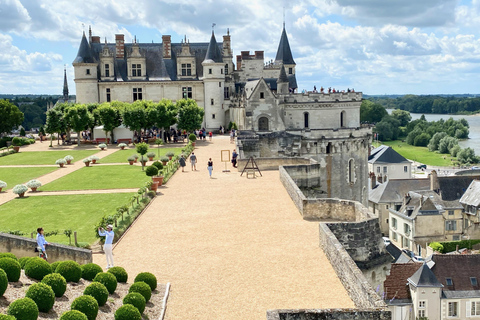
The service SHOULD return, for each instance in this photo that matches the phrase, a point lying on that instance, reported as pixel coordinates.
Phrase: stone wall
(329, 314)
(266, 164)
(24, 247)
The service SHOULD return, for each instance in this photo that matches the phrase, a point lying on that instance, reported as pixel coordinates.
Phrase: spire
(65, 85)
(213, 52)
(284, 54)
(282, 78)
(84, 54)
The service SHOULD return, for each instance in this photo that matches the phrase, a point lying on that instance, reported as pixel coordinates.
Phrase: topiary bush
(8, 255)
(158, 164)
(136, 300)
(70, 270)
(3, 282)
(6, 317)
(12, 268)
(55, 265)
(127, 312)
(90, 270)
(57, 282)
(119, 273)
(73, 315)
(148, 278)
(98, 291)
(86, 305)
(23, 309)
(142, 288)
(151, 171)
(23, 261)
(43, 296)
(108, 280)
(37, 268)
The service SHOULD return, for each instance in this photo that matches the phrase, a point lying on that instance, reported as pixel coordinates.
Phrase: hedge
(451, 246)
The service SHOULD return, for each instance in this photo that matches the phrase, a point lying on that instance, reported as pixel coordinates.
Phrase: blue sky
(374, 46)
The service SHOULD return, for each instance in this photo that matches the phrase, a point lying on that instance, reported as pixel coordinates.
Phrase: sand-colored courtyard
(231, 247)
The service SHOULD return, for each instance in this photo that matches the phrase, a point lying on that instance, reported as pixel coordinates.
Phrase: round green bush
(3, 282)
(7, 255)
(12, 268)
(70, 270)
(136, 300)
(127, 312)
(98, 291)
(6, 317)
(23, 309)
(108, 280)
(151, 171)
(90, 270)
(23, 261)
(37, 268)
(158, 164)
(148, 278)
(142, 288)
(86, 305)
(73, 315)
(43, 296)
(57, 282)
(119, 273)
(54, 265)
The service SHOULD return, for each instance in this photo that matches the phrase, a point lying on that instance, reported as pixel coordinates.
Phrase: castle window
(221, 71)
(210, 71)
(305, 119)
(405, 169)
(263, 124)
(186, 69)
(290, 70)
(226, 93)
(187, 92)
(262, 95)
(213, 115)
(136, 70)
(107, 70)
(351, 171)
(108, 94)
(137, 94)
(212, 102)
(343, 119)
(219, 84)
(452, 309)
(226, 68)
(329, 148)
(88, 71)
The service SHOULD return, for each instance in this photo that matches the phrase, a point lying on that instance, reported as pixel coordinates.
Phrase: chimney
(120, 46)
(167, 46)
(95, 39)
(259, 55)
(239, 62)
(373, 180)
(227, 47)
(434, 186)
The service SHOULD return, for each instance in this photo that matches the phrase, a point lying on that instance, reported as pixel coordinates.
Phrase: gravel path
(231, 247)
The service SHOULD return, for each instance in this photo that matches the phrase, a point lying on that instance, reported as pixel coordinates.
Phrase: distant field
(420, 154)
(14, 176)
(43, 157)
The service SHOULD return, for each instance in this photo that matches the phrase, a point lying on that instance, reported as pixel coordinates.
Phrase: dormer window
(136, 70)
(107, 70)
(449, 281)
(290, 70)
(262, 95)
(473, 281)
(186, 69)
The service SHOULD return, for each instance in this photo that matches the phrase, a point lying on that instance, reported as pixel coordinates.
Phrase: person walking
(107, 247)
(41, 243)
(234, 158)
(193, 161)
(210, 167)
(182, 162)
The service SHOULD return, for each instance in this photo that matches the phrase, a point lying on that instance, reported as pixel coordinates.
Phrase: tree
(79, 118)
(135, 116)
(433, 144)
(10, 117)
(446, 144)
(54, 123)
(467, 155)
(142, 148)
(402, 116)
(371, 112)
(455, 150)
(163, 114)
(421, 140)
(190, 115)
(109, 117)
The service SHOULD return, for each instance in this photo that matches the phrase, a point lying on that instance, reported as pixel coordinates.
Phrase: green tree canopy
(79, 118)
(433, 144)
(10, 117)
(371, 112)
(467, 156)
(190, 115)
(109, 116)
(402, 116)
(135, 115)
(54, 123)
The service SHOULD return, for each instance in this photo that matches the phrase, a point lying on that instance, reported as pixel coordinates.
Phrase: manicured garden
(121, 155)
(14, 176)
(43, 157)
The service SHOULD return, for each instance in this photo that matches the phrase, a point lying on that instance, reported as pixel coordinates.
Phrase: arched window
(305, 119)
(263, 124)
(343, 119)
(329, 148)
(351, 171)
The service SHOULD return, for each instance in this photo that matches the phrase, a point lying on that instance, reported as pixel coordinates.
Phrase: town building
(471, 204)
(387, 163)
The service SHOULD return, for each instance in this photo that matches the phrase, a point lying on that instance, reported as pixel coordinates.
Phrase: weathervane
(213, 26)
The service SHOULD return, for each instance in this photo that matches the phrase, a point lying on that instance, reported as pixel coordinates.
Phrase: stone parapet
(274, 163)
(329, 314)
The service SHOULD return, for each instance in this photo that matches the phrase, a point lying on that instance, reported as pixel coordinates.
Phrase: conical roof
(65, 85)
(213, 52)
(84, 54)
(424, 277)
(284, 54)
(283, 76)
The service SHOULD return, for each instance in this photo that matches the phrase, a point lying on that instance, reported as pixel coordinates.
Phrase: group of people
(193, 162)
(330, 90)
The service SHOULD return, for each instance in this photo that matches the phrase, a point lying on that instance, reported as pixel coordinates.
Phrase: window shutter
(469, 308)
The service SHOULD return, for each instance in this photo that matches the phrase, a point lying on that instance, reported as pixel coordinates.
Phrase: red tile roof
(395, 285)
(459, 268)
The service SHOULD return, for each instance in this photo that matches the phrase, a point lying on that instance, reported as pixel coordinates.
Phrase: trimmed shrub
(6, 317)
(3, 282)
(23, 261)
(12, 268)
(98, 291)
(151, 171)
(8, 255)
(192, 137)
(119, 273)
(108, 280)
(43, 296)
(148, 278)
(86, 305)
(90, 270)
(23, 309)
(127, 312)
(158, 164)
(142, 288)
(73, 315)
(436, 246)
(136, 300)
(37, 268)
(55, 265)
(57, 282)
(70, 270)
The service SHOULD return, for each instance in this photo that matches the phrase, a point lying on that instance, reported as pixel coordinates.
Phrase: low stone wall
(329, 314)
(266, 164)
(24, 247)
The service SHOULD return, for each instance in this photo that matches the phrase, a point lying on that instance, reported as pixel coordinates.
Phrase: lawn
(43, 157)
(100, 177)
(121, 155)
(420, 154)
(76, 212)
(14, 176)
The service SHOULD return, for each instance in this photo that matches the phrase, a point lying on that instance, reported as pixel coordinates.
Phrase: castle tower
(282, 82)
(65, 85)
(284, 54)
(214, 83)
(86, 77)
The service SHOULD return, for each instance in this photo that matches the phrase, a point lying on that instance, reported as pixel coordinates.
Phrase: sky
(374, 46)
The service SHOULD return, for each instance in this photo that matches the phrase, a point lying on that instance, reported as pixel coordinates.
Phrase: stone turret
(86, 73)
(282, 82)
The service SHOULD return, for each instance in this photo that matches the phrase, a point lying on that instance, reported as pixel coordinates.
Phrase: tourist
(223, 129)
(41, 137)
(232, 136)
(41, 243)
(193, 161)
(107, 247)
(182, 162)
(204, 134)
(210, 135)
(234, 158)
(210, 167)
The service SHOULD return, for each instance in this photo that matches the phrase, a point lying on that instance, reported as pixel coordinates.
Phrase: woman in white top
(107, 247)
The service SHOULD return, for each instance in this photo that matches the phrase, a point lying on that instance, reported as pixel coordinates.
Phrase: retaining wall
(329, 314)
(266, 164)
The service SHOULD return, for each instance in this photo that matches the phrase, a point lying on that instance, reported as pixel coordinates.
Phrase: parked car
(386, 241)
(422, 166)
(475, 168)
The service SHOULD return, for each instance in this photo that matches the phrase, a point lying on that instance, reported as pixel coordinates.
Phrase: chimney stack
(95, 39)
(239, 62)
(434, 185)
(227, 48)
(120, 46)
(259, 55)
(373, 180)
(167, 46)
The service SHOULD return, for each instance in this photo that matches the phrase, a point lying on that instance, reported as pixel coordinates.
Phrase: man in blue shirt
(41, 243)
(107, 247)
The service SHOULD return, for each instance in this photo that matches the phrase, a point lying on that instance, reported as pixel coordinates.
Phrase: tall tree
(371, 112)
(54, 123)
(79, 118)
(403, 116)
(109, 117)
(163, 114)
(10, 117)
(134, 116)
(190, 115)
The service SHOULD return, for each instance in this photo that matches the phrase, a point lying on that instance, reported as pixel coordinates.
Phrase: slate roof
(471, 197)
(292, 82)
(453, 187)
(426, 202)
(459, 268)
(394, 251)
(84, 54)
(284, 54)
(282, 76)
(393, 191)
(424, 277)
(395, 285)
(385, 154)
(213, 52)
